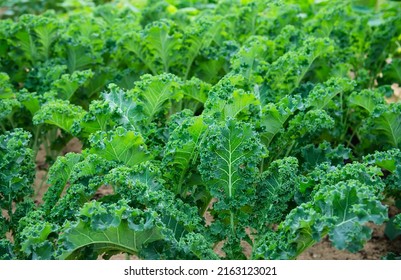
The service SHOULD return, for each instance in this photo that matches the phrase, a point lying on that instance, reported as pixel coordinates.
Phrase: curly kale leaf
(6, 90)
(68, 84)
(59, 176)
(286, 73)
(6, 250)
(389, 161)
(17, 172)
(229, 157)
(195, 92)
(60, 113)
(341, 211)
(275, 192)
(155, 91)
(181, 152)
(275, 115)
(99, 117)
(155, 45)
(120, 145)
(108, 228)
(315, 155)
(227, 99)
(17, 169)
(322, 94)
(386, 120)
(124, 105)
(36, 238)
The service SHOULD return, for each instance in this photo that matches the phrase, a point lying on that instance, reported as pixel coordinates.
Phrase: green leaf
(26, 43)
(227, 100)
(393, 227)
(286, 73)
(6, 250)
(30, 100)
(229, 157)
(351, 204)
(6, 90)
(155, 91)
(197, 37)
(392, 72)
(341, 211)
(274, 116)
(232, 149)
(59, 175)
(68, 84)
(7, 109)
(60, 113)
(195, 93)
(386, 120)
(80, 57)
(367, 99)
(98, 118)
(275, 191)
(124, 105)
(181, 151)
(47, 30)
(35, 242)
(162, 42)
(120, 145)
(113, 228)
(322, 94)
(16, 166)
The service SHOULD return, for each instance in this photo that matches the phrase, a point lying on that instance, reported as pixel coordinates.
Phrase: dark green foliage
(275, 119)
